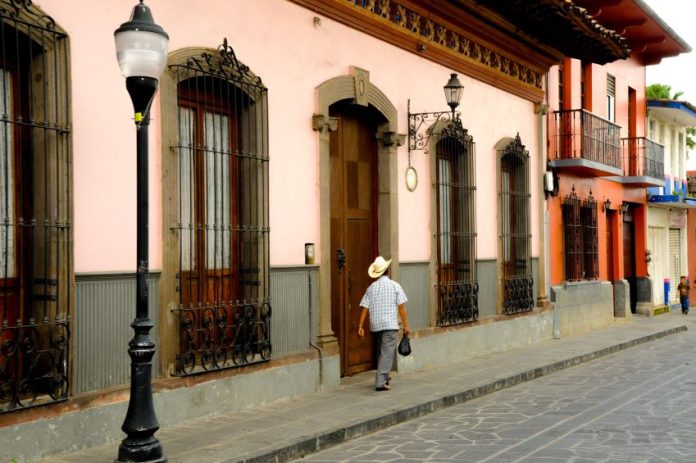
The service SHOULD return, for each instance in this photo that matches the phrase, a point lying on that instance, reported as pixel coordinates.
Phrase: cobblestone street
(638, 405)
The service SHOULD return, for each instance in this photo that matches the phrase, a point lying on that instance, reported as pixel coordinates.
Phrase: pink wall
(292, 55)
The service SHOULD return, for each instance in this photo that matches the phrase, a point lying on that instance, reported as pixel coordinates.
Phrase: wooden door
(610, 246)
(353, 231)
(629, 259)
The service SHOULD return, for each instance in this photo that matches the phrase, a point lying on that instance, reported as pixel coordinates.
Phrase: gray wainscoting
(535, 275)
(294, 299)
(415, 278)
(488, 285)
(104, 311)
(487, 275)
(105, 308)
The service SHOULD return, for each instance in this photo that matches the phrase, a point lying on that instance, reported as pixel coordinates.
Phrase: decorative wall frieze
(405, 24)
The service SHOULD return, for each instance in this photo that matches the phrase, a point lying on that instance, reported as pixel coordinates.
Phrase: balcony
(586, 144)
(643, 162)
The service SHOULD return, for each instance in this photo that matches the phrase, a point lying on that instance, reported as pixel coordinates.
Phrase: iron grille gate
(223, 276)
(35, 208)
(518, 283)
(456, 239)
(572, 228)
(588, 215)
(581, 238)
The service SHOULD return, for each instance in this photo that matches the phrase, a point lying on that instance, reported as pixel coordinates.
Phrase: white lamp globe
(141, 45)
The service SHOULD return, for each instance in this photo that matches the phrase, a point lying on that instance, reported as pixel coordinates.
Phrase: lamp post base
(140, 451)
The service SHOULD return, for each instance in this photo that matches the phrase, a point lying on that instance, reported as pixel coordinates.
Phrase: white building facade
(667, 212)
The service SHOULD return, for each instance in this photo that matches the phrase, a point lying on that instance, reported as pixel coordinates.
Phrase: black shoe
(383, 388)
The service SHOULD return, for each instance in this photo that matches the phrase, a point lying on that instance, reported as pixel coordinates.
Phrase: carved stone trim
(362, 85)
(392, 138)
(322, 123)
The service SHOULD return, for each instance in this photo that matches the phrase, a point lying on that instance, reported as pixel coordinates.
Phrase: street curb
(330, 438)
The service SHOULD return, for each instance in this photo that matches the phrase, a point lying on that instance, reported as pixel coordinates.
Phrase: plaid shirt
(382, 299)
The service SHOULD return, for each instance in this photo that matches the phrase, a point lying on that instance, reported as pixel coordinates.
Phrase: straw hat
(378, 267)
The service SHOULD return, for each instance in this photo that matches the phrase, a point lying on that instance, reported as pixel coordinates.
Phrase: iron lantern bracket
(422, 125)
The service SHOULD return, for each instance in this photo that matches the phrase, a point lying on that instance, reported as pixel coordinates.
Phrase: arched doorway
(352, 105)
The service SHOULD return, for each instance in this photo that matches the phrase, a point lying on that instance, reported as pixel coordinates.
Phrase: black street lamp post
(141, 49)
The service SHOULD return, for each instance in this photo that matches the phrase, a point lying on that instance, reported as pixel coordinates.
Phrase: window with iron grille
(611, 98)
(561, 87)
(580, 237)
(223, 276)
(35, 209)
(588, 213)
(586, 85)
(457, 284)
(515, 235)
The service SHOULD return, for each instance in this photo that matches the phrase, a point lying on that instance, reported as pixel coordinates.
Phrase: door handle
(341, 258)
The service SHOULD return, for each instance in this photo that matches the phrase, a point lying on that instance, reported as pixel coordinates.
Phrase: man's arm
(404, 318)
(363, 316)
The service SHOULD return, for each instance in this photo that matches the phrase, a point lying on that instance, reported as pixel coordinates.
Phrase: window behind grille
(580, 237)
(561, 87)
(457, 285)
(517, 280)
(588, 214)
(223, 214)
(572, 233)
(611, 98)
(35, 208)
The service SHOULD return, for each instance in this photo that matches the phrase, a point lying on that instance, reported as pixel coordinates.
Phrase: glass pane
(7, 183)
(217, 190)
(186, 188)
(505, 181)
(445, 211)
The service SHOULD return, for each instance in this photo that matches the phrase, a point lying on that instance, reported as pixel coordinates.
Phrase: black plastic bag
(404, 346)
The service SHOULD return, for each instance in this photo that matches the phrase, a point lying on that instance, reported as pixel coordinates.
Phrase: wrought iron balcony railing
(643, 158)
(582, 135)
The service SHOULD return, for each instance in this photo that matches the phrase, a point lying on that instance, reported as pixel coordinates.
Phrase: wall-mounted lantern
(419, 137)
(624, 208)
(607, 205)
(453, 92)
(309, 253)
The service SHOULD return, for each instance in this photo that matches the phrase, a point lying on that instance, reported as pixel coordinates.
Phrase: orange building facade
(602, 163)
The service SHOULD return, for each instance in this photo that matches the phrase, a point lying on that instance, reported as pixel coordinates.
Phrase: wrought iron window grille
(456, 236)
(590, 238)
(35, 197)
(517, 279)
(580, 237)
(223, 276)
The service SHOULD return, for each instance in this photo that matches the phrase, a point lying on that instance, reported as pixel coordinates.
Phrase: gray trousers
(387, 350)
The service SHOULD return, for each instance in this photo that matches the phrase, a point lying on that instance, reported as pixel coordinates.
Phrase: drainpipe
(545, 249)
(542, 112)
(311, 340)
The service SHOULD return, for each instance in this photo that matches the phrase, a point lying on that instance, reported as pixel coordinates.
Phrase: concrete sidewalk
(290, 429)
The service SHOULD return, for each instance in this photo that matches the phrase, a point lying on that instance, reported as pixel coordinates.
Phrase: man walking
(383, 299)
